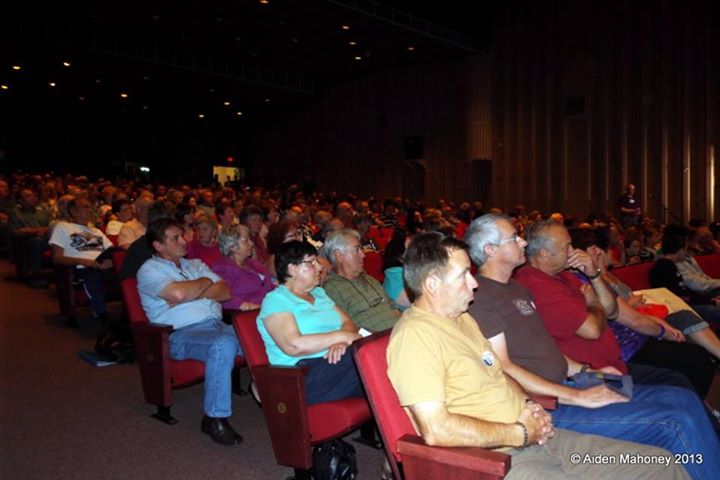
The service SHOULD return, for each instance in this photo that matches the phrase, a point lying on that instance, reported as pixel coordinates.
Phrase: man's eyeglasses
(312, 262)
(515, 238)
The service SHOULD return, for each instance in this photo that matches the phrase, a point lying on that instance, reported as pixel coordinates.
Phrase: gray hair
(537, 237)
(229, 237)
(483, 231)
(337, 240)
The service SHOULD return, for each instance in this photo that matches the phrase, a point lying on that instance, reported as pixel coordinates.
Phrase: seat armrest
(152, 347)
(152, 328)
(546, 401)
(421, 461)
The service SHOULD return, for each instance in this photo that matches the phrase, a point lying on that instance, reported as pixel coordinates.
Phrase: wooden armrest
(421, 461)
(546, 401)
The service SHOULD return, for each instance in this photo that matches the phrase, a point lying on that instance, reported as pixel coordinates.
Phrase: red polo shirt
(563, 309)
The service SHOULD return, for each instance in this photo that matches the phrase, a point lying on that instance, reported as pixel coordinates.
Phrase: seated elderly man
(185, 294)
(576, 313)
(358, 294)
(29, 224)
(454, 389)
(135, 227)
(506, 314)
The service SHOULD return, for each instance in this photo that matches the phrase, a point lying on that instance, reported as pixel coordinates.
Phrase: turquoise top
(394, 284)
(318, 317)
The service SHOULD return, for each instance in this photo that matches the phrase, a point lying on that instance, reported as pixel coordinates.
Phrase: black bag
(334, 460)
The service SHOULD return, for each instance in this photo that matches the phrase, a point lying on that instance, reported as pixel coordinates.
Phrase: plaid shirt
(364, 300)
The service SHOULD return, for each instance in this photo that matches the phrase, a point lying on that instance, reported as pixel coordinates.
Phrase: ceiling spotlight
(345, 27)
(123, 95)
(201, 115)
(358, 57)
(264, 2)
(146, 77)
(227, 104)
(98, 81)
(81, 98)
(410, 48)
(352, 44)
(239, 114)
(212, 90)
(267, 100)
(66, 64)
(52, 84)
(16, 67)
(145, 107)
(5, 87)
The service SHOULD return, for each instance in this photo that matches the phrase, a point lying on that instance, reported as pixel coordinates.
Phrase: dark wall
(591, 95)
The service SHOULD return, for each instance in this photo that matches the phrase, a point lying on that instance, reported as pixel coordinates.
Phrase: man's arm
(440, 427)
(185, 291)
(646, 325)
(218, 291)
(594, 397)
(695, 279)
(584, 263)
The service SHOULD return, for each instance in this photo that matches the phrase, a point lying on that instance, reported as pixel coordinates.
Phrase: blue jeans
(673, 418)
(327, 383)
(214, 343)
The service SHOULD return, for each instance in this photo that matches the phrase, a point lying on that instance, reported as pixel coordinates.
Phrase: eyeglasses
(312, 262)
(515, 238)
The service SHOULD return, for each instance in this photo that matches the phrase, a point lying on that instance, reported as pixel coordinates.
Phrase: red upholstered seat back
(635, 276)
(250, 339)
(131, 298)
(118, 257)
(373, 266)
(391, 419)
(710, 264)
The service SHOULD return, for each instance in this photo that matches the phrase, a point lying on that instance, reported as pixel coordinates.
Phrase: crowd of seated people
(298, 257)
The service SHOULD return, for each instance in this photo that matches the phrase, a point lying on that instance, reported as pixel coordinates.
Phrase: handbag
(334, 460)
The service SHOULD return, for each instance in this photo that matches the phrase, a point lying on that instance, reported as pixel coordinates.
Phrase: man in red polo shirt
(576, 313)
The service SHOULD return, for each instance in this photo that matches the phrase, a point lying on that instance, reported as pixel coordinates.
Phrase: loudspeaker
(414, 148)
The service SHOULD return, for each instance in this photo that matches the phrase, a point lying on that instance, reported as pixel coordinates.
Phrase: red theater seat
(293, 425)
(160, 374)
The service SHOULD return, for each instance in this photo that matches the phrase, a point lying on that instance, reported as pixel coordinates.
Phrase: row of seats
(637, 276)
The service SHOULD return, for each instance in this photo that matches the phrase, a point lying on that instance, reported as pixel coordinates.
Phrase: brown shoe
(220, 431)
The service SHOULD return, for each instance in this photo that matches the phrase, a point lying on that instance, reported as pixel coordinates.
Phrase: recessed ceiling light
(411, 48)
(212, 90)
(345, 27)
(16, 67)
(66, 64)
(52, 84)
(227, 104)
(201, 115)
(145, 107)
(264, 2)
(4, 87)
(358, 57)
(146, 77)
(98, 81)
(295, 40)
(352, 44)
(267, 100)
(81, 98)
(239, 114)
(123, 95)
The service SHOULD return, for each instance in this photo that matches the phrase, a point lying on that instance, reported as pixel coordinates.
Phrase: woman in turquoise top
(301, 325)
(394, 283)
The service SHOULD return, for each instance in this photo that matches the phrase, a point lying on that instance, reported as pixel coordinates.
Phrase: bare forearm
(636, 321)
(180, 292)
(218, 291)
(313, 343)
(536, 384)
(606, 298)
(462, 431)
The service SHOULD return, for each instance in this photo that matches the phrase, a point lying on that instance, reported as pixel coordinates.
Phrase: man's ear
(489, 250)
(432, 284)
(156, 245)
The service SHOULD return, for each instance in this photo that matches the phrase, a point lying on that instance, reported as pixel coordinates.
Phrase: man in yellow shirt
(456, 393)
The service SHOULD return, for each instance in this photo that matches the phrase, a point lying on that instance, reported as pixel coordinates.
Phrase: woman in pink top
(247, 278)
(204, 246)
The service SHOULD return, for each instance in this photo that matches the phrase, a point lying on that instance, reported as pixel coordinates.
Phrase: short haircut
(582, 238)
(428, 254)
(160, 209)
(157, 230)
(249, 211)
(276, 234)
(229, 237)
(119, 203)
(537, 237)
(337, 240)
(291, 253)
(674, 239)
(483, 231)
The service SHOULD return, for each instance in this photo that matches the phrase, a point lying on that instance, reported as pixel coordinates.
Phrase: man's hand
(537, 422)
(671, 333)
(635, 301)
(588, 292)
(581, 261)
(599, 396)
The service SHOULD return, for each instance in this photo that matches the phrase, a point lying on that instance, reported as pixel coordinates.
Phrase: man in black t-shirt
(629, 207)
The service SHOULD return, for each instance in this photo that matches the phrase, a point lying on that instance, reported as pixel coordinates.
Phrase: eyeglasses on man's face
(515, 238)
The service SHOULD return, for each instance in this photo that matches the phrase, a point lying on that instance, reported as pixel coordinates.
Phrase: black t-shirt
(509, 308)
(138, 253)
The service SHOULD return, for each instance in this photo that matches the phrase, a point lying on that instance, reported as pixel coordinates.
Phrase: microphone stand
(665, 209)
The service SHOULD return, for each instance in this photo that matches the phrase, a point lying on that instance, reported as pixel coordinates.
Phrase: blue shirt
(318, 317)
(157, 273)
(394, 284)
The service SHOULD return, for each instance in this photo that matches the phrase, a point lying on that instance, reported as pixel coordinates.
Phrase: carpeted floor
(61, 418)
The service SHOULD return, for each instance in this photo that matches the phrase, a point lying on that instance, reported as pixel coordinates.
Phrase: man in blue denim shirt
(185, 294)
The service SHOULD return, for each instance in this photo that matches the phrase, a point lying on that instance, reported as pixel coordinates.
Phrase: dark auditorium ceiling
(223, 60)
